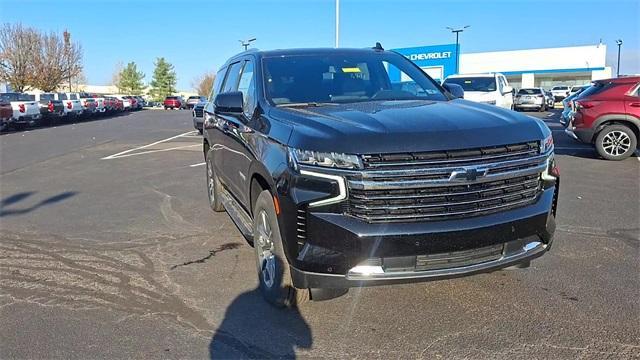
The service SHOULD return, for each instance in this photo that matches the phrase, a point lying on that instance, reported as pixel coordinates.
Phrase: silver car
(193, 100)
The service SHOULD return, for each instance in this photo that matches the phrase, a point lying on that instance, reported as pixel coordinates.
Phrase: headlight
(325, 159)
(546, 144)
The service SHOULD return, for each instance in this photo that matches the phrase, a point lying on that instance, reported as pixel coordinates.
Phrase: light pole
(457, 32)
(246, 43)
(337, 22)
(619, 42)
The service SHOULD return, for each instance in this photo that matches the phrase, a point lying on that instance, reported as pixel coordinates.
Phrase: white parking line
(151, 151)
(122, 153)
(198, 164)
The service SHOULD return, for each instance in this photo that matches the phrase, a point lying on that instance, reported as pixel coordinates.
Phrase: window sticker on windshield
(467, 81)
(350, 69)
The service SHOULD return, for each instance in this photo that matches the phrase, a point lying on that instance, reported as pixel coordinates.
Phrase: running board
(238, 215)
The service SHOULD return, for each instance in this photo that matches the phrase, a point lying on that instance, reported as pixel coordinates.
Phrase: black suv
(352, 167)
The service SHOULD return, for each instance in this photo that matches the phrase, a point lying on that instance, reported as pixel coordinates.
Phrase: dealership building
(575, 65)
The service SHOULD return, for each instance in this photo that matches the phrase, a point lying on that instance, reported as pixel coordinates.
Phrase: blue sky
(198, 36)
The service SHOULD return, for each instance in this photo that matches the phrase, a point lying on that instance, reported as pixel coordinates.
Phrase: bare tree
(203, 83)
(77, 81)
(29, 59)
(19, 47)
(58, 61)
(117, 70)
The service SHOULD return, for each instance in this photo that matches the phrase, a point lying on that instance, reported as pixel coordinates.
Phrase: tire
(214, 187)
(616, 142)
(165, 108)
(543, 107)
(274, 275)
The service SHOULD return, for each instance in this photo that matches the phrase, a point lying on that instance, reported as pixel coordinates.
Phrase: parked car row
(20, 110)
(607, 115)
(494, 89)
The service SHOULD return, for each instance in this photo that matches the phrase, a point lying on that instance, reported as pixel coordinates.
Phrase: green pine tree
(164, 80)
(130, 81)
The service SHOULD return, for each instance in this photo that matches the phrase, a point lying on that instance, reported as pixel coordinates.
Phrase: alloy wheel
(265, 250)
(616, 143)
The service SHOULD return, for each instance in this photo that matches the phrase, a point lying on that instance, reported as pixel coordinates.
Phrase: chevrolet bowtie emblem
(468, 174)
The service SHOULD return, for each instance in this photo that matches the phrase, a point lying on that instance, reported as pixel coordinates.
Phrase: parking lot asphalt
(108, 249)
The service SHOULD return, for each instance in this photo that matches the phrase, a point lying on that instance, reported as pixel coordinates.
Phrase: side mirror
(507, 89)
(456, 90)
(229, 102)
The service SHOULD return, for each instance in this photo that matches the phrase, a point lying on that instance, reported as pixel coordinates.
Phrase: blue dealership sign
(439, 61)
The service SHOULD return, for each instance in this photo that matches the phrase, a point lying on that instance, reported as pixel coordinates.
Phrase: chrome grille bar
(436, 216)
(441, 204)
(400, 184)
(443, 185)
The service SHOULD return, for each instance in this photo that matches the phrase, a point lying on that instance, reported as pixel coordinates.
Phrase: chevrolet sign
(430, 56)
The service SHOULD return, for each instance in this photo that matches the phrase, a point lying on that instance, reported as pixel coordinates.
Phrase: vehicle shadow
(16, 198)
(254, 329)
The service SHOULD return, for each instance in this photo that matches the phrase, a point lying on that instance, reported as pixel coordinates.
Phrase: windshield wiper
(306, 104)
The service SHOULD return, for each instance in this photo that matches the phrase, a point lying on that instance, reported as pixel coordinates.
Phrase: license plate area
(443, 260)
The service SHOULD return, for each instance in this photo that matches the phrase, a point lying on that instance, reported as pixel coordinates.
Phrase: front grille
(452, 157)
(427, 186)
(436, 203)
(198, 111)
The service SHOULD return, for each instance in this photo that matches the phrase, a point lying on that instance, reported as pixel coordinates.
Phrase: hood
(407, 126)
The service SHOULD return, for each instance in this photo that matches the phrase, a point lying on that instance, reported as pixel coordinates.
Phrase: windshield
(474, 83)
(346, 78)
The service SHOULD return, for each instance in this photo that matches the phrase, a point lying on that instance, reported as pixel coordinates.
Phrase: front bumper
(342, 251)
(513, 253)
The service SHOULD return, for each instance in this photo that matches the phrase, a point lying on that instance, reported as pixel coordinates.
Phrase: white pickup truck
(25, 110)
(72, 105)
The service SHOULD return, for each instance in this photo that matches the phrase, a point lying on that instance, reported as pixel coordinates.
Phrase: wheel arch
(616, 119)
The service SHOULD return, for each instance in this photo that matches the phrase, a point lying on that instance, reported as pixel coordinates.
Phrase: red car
(118, 104)
(174, 102)
(608, 115)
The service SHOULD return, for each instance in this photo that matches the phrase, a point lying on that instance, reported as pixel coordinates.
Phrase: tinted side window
(596, 89)
(217, 84)
(247, 87)
(231, 82)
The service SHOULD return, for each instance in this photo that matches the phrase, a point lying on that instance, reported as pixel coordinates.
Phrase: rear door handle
(635, 104)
